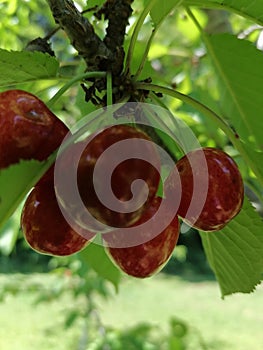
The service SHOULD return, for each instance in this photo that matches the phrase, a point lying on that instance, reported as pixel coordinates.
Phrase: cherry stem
(145, 54)
(109, 89)
(181, 144)
(135, 34)
(149, 43)
(222, 124)
(78, 78)
(50, 34)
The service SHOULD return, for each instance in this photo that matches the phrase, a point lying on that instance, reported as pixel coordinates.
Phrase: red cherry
(28, 129)
(212, 188)
(45, 228)
(118, 169)
(148, 258)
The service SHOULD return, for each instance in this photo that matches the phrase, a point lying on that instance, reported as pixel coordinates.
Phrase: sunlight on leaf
(15, 182)
(162, 9)
(8, 238)
(97, 258)
(235, 252)
(19, 67)
(247, 8)
(239, 67)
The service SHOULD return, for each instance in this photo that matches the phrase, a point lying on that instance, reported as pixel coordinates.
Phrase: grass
(234, 323)
(25, 325)
(231, 324)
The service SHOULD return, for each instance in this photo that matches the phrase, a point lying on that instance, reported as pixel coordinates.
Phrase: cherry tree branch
(117, 12)
(81, 34)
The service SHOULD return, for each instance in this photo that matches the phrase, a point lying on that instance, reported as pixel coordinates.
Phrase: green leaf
(162, 8)
(15, 182)
(9, 235)
(257, 158)
(97, 258)
(246, 8)
(23, 66)
(71, 318)
(93, 3)
(236, 252)
(148, 70)
(239, 67)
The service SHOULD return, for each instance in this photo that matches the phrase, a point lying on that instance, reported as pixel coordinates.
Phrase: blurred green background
(51, 303)
(61, 303)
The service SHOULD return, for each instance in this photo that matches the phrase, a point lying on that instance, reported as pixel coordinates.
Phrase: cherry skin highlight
(115, 152)
(28, 129)
(212, 188)
(45, 228)
(148, 258)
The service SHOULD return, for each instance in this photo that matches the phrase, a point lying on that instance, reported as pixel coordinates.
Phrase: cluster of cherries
(204, 189)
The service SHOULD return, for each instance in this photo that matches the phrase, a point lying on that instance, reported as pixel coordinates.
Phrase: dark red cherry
(28, 129)
(212, 188)
(148, 257)
(118, 173)
(45, 228)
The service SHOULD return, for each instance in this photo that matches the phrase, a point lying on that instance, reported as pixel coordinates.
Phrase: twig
(81, 34)
(117, 12)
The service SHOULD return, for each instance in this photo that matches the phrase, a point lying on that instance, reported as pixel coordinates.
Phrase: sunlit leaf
(8, 238)
(97, 258)
(257, 158)
(162, 8)
(15, 182)
(19, 67)
(235, 252)
(93, 3)
(247, 8)
(239, 67)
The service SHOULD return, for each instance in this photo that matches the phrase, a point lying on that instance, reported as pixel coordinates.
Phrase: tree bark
(80, 33)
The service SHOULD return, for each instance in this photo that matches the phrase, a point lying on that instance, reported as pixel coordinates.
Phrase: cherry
(121, 155)
(148, 258)
(212, 188)
(45, 228)
(28, 129)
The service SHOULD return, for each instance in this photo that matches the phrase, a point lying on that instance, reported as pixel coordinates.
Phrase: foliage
(233, 323)
(209, 76)
(73, 280)
(227, 253)
(145, 336)
(19, 67)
